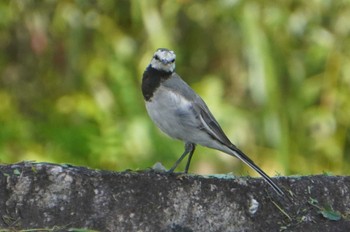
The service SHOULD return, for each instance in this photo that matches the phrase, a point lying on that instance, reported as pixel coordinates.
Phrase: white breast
(170, 112)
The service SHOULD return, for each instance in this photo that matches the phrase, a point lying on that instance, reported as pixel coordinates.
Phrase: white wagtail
(180, 113)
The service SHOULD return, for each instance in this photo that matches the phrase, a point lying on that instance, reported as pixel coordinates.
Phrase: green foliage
(275, 74)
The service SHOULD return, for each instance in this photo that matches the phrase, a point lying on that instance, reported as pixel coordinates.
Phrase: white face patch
(164, 60)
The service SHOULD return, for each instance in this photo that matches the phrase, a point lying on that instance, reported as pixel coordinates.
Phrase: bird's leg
(189, 148)
(193, 147)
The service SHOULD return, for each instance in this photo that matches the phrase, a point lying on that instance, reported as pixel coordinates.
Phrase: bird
(181, 113)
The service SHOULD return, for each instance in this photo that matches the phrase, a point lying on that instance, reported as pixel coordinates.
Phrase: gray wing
(212, 126)
(209, 123)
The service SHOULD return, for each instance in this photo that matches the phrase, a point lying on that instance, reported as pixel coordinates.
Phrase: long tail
(240, 155)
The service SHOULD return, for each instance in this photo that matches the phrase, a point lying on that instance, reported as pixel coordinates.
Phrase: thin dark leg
(190, 157)
(189, 148)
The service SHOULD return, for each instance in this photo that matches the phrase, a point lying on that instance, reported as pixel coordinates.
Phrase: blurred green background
(276, 74)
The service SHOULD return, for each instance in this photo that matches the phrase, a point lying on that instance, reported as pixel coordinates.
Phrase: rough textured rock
(60, 197)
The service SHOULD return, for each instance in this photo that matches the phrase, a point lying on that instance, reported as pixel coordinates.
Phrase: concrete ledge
(61, 197)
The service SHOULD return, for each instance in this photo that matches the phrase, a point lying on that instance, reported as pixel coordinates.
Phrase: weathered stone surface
(60, 197)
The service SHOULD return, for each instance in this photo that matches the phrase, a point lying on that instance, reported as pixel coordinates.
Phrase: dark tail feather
(240, 155)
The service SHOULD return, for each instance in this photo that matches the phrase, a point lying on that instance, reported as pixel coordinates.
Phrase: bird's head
(163, 60)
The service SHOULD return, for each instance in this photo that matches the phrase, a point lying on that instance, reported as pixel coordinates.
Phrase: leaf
(5, 174)
(331, 215)
(328, 173)
(16, 172)
(313, 201)
(34, 169)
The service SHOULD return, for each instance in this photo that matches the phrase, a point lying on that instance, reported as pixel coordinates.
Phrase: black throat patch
(151, 81)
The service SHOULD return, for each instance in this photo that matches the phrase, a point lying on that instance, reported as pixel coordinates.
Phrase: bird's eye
(156, 57)
(172, 61)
